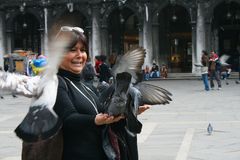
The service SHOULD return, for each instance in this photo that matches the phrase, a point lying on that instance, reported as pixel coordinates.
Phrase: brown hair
(75, 38)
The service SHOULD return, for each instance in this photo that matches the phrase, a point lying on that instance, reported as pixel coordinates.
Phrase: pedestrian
(11, 68)
(146, 73)
(155, 71)
(225, 74)
(88, 75)
(204, 69)
(77, 106)
(238, 50)
(1, 92)
(164, 71)
(104, 70)
(98, 62)
(215, 69)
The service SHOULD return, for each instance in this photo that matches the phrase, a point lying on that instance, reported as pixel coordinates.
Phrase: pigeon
(128, 92)
(223, 60)
(209, 129)
(119, 99)
(41, 122)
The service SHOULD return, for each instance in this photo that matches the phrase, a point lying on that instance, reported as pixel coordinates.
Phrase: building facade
(173, 32)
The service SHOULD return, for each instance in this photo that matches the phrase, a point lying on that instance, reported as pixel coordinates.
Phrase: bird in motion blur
(41, 122)
(128, 92)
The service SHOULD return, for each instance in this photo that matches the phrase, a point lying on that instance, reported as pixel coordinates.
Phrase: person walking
(215, 69)
(1, 92)
(204, 69)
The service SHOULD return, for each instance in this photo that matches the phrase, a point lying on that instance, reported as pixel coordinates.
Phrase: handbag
(50, 149)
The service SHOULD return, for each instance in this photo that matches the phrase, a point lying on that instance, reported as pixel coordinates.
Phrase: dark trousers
(215, 74)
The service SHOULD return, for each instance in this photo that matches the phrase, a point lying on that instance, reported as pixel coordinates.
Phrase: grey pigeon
(209, 129)
(138, 92)
(118, 101)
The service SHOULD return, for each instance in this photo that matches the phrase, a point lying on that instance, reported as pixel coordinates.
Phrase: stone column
(42, 37)
(156, 50)
(194, 54)
(208, 35)
(104, 40)
(201, 31)
(9, 40)
(96, 36)
(147, 35)
(2, 37)
(47, 19)
(89, 33)
(215, 40)
(140, 33)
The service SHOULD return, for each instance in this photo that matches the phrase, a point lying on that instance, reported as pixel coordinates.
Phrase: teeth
(77, 62)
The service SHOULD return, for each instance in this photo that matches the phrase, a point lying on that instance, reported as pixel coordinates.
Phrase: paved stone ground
(177, 131)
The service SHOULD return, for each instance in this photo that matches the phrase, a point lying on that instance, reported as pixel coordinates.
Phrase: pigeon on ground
(209, 129)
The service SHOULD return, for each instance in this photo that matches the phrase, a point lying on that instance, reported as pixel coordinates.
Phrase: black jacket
(81, 136)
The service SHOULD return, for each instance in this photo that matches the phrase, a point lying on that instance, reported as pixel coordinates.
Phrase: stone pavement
(177, 131)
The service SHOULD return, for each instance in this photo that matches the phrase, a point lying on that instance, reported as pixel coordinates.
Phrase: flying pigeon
(223, 60)
(41, 122)
(128, 91)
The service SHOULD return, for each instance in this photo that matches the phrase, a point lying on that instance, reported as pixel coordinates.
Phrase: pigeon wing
(20, 84)
(130, 62)
(223, 60)
(41, 122)
(152, 94)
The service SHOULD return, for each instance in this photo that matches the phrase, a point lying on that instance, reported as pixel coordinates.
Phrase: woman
(79, 110)
(78, 107)
(204, 69)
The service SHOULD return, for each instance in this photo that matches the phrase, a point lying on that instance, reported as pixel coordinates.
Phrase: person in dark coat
(78, 108)
(104, 70)
(82, 115)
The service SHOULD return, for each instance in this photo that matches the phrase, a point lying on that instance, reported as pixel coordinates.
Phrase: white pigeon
(41, 122)
(223, 60)
(18, 83)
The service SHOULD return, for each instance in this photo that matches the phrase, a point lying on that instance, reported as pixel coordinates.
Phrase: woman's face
(75, 59)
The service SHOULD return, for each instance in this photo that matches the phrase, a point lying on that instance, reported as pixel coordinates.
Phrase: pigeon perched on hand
(128, 89)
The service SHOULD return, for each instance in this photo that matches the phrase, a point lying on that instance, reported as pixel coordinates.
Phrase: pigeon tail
(40, 123)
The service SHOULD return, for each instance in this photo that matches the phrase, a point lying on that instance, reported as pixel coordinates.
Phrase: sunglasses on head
(70, 29)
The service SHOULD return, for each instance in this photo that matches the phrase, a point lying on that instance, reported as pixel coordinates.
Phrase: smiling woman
(75, 59)
(77, 107)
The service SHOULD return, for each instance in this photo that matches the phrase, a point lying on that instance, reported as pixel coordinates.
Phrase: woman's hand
(101, 119)
(143, 108)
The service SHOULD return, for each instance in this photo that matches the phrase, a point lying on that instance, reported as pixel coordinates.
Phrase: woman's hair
(77, 37)
(74, 37)
(205, 52)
